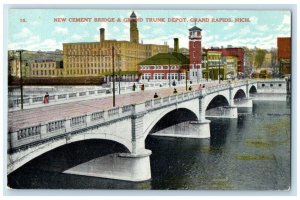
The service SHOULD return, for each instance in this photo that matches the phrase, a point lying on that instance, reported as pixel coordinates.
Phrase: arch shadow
(240, 94)
(217, 101)
(253, 90)
(174, 117)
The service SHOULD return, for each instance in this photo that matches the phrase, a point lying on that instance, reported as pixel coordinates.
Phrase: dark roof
(166, 58)
(195, 28)
(132, 15)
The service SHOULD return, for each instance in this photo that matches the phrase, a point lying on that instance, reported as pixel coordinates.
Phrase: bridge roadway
(31, 117)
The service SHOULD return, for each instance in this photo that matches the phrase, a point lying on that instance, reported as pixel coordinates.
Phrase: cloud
(244, 31)
(262, 28)
(229, 26)
(253, 20)
(61, 30)
(76, 37)
(285, 23)
(25, 33)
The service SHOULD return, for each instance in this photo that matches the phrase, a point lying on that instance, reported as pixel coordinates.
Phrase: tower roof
(195, 28)
(132, 15)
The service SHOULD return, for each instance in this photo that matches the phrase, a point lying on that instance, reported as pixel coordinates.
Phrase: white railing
(27, 101)
(35, 133)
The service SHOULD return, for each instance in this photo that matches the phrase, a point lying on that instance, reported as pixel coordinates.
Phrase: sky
(36, 29)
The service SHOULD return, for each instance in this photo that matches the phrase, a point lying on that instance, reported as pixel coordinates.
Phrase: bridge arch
(34, 152)
(252, 89)
(75, 153)
(170, 117)
(240, 94)
(217, 101)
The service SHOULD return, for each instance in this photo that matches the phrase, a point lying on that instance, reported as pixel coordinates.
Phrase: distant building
(164, 66)
(46, 68)
(95, 58)
(233, 51)
(284, 55)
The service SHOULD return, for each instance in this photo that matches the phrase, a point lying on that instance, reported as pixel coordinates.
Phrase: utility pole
(186, 77)
(113, 68)
(21, 76)
(169, 72)
(219, 70)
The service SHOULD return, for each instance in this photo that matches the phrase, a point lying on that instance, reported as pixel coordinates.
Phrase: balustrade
(54, 126)
(126, 108)
(78, 120)
(114, 111)
(28, 132)
(97, 115)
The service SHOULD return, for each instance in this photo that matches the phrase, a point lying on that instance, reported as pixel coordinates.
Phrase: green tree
(259, 57)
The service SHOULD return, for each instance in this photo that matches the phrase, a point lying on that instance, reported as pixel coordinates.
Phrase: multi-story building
(47, 68)
(96, 58)
(231, 67)
(284, 55)
(214, 65)
(164, 66)
(232, 51)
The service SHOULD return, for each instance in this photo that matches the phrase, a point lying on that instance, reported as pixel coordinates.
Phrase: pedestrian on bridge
(46, 98)
(133, 87)
(190, 88)
(155, 95)
(175, 91)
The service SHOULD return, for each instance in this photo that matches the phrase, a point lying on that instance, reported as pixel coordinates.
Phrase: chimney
(176, 45)
(102, 34)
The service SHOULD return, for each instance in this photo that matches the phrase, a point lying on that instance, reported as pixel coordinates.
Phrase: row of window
(46, 72)
(87, 71)
(161, 76)
(159, 67)
(43, 65)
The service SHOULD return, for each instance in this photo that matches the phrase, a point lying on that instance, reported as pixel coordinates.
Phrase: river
(252, 152)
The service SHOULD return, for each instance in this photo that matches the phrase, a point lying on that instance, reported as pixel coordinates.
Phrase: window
(271, 85)
(279, 85)
(263, 85)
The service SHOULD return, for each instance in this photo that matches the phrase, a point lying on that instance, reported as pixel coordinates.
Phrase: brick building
(95, 58)
(284, 55)
(233, 51)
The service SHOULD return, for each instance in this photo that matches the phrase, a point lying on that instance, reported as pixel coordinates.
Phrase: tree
(259, 57)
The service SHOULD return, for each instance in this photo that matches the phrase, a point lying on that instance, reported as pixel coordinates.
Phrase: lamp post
(169, 71)
(219, 70)
(113, 68)
(186, 76)
(21, 75)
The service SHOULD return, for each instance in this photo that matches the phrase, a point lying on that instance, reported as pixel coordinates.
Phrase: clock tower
(195, 53)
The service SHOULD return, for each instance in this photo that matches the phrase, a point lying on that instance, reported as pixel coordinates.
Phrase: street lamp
(169, 70)
(113, 68)
(205, 63)
(21, 75)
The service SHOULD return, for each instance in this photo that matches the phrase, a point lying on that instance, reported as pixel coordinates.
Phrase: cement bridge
(129, 124)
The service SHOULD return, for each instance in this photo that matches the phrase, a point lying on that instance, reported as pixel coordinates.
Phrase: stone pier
(120, 166)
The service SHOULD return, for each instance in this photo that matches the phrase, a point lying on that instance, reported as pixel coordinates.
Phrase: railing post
(68, 124)
(30, 100)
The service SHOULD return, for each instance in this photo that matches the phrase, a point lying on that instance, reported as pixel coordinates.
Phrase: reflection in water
(248, 153)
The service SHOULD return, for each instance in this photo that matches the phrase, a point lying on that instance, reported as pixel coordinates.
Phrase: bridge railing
(27, 101)
(37, 132)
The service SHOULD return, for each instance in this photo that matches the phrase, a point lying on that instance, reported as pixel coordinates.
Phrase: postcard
(141, 99)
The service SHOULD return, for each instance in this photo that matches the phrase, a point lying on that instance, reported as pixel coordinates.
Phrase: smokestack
(176, 45)
(102, 34)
